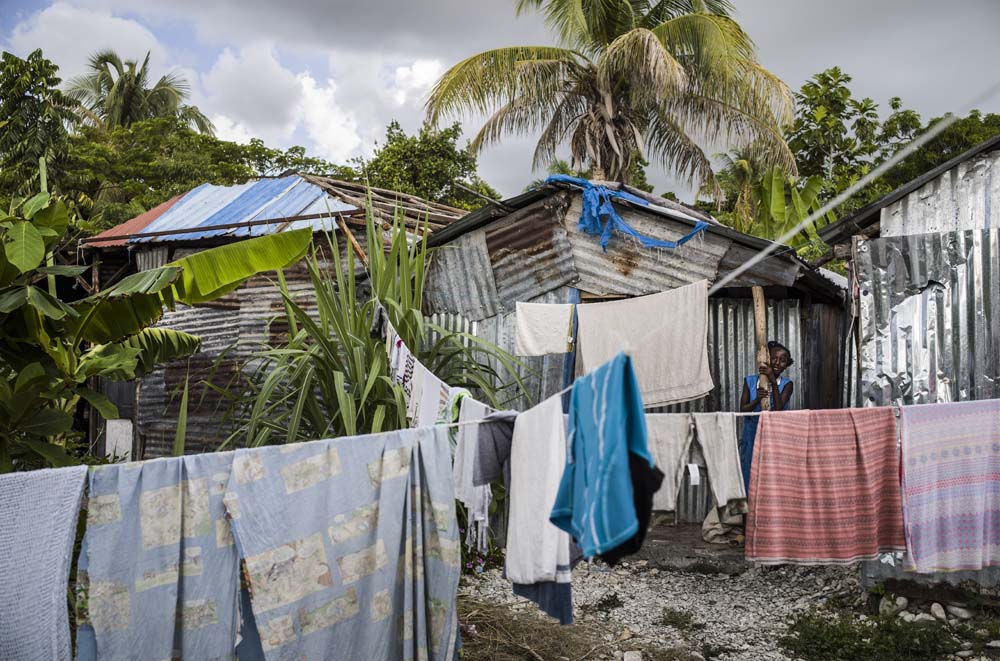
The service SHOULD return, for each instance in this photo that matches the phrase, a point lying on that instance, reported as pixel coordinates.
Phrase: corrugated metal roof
(530, 254)
(966, 197)
(869, 215)
(210, 211)
(135, 225)
(630, 269)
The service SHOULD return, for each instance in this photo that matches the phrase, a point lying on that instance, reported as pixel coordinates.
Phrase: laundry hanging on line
(475, 499)
(38, 517)
(595, 502)
(665, 334)
(824, 487)
(951, 486)
(350, 545)
(543, 328)
(158, 569)
(671, 436)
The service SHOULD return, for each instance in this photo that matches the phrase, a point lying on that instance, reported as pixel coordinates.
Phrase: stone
(937, 610)
(902, 603)
(994, 644)
(695, 656)
(964, 654)
(887, 606)
(907, 616)
(632, 655)
(967, 645)
(626, 635)
(959, 612)
(924, 617)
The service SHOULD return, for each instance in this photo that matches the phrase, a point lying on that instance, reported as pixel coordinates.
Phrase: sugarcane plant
(330, 376)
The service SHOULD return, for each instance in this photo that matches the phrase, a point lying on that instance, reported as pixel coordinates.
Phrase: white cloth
(476, 500)
(665, 334)
(38, 513)
(435, 395)
(669, 442)
(535, 547)
(716, 434)
(543, 328)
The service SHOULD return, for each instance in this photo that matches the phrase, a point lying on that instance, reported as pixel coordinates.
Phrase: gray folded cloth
(493, 454)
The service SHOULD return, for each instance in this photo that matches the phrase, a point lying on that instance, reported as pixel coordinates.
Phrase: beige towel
(716, 434)
(669, 442)
(543, 328)
(665, 334)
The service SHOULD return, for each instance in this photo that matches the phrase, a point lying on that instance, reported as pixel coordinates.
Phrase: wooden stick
(760, 335)
(354, 242)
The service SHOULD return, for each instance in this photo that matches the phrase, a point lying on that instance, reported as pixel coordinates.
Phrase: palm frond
(488, 79)
(638, 66)
(669, 144)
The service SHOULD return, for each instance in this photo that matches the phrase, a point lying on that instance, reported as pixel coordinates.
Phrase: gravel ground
(730, 618)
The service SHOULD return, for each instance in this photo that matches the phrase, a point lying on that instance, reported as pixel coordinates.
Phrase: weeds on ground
(818, 635)
(605, 604)
(671, 617)
(495, 632)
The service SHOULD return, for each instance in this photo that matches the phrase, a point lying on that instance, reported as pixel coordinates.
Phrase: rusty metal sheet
(629, 269)
(929, 306)
(530, 254)
(777, 269)
(460, 279)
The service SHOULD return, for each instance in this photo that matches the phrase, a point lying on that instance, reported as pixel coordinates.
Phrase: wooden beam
(760, 335)
(354, 242)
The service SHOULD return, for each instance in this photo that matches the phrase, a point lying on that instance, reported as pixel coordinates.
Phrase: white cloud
(68, 36)
(333, 130)
(227, 128)
(414, 81)
(252, 88)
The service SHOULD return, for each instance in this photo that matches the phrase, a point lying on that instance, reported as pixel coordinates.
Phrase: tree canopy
(119, 92)
(628, 77)
(429, 164)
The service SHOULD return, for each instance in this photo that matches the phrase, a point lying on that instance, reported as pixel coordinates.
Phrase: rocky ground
(707, 610)
(717, 616)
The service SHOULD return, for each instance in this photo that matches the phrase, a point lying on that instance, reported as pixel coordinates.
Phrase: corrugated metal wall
(930, 317)
(966, 197)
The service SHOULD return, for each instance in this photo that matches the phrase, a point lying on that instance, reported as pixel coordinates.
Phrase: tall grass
(331, 377)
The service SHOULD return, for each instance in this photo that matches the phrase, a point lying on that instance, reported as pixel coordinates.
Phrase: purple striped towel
(951, 486)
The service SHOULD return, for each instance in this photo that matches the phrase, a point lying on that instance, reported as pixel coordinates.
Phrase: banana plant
(51, 349)
(782, 202)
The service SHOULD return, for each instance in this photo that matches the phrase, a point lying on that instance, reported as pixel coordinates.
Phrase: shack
(924, 263)
(529, 248)
(235, 326)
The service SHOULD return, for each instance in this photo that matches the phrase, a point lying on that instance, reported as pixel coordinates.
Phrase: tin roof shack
(235, 326)
(926, 261)
(925, 264)
(528, 248)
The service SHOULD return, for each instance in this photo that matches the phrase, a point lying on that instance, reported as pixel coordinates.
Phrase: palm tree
(118, 93)
(629, 78)
(739, 173)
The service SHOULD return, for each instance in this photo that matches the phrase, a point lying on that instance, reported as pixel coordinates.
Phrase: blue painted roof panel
(192, 209)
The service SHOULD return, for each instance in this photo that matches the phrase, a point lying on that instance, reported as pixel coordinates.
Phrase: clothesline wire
(903, 153)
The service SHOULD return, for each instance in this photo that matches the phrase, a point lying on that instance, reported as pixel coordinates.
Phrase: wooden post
(760, 335)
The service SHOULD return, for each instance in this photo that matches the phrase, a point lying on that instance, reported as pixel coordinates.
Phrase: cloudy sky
(330, 74)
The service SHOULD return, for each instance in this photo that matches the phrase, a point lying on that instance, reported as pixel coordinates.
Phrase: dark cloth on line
(646, 481)
(493, 456)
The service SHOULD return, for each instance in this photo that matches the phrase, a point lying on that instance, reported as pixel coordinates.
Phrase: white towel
(535, 547)
(665, 334)
(543, 328)
(475, 499)
(720, 446)
(669, 442)
(38, 512)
